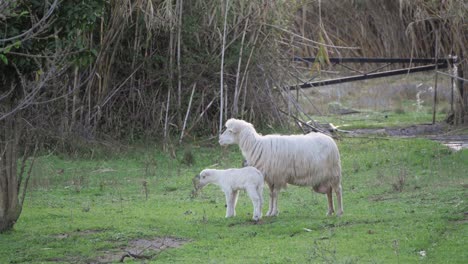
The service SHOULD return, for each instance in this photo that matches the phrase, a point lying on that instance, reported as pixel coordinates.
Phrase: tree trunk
(461, 106)
(464, 91)
(10, 207)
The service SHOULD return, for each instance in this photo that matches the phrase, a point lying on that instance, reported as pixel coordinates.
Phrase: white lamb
(304, 160)
(231, 181)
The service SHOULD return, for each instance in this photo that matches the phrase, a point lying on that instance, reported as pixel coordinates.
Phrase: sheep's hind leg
(339, 200)
(330, 202)
(323, 188)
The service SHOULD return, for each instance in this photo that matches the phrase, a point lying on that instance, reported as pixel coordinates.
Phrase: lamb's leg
(256, 201)
(229, 204)
(234, 197)
(339, 200)
(330, 202)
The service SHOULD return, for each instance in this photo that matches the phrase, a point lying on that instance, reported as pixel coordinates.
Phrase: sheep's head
(231, 134)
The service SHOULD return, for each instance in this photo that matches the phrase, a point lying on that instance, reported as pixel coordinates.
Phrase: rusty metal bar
(371, 75)
(378, 60)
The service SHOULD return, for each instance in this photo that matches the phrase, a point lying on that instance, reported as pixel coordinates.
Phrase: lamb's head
(196, 182)
(233, 129)
(199, 181)
(202, 179)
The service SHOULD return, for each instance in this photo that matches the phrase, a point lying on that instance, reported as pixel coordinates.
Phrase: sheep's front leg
(270, 203)
(273, 210)
(256, 198)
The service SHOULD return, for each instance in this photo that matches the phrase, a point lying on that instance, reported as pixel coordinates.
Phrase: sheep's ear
(233, 129)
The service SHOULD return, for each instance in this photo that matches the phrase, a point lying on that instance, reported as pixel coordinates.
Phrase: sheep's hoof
(339, 214)
(272, 214)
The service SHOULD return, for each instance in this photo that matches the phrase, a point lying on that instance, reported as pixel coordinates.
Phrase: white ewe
(231, 181)
(304, 160)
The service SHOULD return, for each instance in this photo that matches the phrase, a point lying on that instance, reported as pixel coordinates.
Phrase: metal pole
(376, 60)
(434, 106)
(369, 76)
(453, 69)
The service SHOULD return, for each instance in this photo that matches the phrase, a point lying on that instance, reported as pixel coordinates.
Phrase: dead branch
(36, 28)
(129, 254)
(187, 113)
(28, 176)
(221, 88)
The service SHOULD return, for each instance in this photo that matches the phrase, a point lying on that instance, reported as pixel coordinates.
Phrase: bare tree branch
(36, 28)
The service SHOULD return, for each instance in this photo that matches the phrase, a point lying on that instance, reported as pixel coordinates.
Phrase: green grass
(401, 197)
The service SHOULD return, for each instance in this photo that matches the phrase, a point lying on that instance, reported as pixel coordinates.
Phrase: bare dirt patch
(140, 249)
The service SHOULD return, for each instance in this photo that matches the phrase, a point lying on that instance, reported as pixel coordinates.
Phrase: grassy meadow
(404, 198)
(404, 201)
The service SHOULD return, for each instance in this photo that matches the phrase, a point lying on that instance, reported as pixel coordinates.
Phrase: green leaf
(17, 44)
(7, 49)
(4, 59)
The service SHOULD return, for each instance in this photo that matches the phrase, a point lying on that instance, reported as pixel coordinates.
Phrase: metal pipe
(369, 76)
(377, 60)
